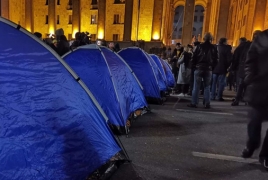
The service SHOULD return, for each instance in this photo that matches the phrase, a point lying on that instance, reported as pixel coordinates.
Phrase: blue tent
(169, 74)
(146, 71)
(110, 80)
(51, 125)
(160, 79)
(159, 64)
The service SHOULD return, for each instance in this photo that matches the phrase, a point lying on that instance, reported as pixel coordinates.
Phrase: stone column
(171, 14)
(51, 16)
(5, 9)
(187, 27)
(250, 18)
(101, 19)
(207, 18)
(157, 19)
(260, 8)
(265, 26)
(221, 30)
(128, 20)
(76, 16)
(29, 15)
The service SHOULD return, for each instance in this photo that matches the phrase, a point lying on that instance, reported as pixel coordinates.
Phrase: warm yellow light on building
(74, 32)
(100, 34)
(51, 30)
(156, 36)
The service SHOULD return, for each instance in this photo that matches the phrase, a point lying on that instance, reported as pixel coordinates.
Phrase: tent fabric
(50, 128)
(159, 64)
(141, 65)
(159, 77)
(110, 80)
(169, 74)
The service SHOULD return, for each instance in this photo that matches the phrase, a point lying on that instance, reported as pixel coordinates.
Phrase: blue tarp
(160, 67)
(141, 65)
(49, 126)
(160, 79)
(169, 74)
(110, 80)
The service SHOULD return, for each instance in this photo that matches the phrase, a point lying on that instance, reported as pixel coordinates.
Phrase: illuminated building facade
(148, 20)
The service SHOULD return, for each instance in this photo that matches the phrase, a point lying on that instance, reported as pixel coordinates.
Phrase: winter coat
(256, 71)
(239, 58)
(63, 47)
(174, 60)
(205, 57)
(225, 57)
(184, 74)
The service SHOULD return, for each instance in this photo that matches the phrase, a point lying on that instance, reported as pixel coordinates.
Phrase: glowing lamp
(156, 36)
(100, 34)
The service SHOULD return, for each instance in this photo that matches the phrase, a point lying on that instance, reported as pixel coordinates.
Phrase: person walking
(256, 80)
(220, 71)
(205, 59)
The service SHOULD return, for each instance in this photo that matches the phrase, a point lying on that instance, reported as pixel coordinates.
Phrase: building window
(196, 10)
(115, 37)
(175, 29)
(58, 19)
(70, 5)
(93, 19)
(58, 2)
(119, 1)
(201, 18)
(93, 37)
(94, 4)
(46, 19)
(195, 18)
(70, 19)
(46, 2)
(116, 19)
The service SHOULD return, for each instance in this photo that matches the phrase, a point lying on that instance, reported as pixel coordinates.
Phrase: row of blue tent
(55, 112)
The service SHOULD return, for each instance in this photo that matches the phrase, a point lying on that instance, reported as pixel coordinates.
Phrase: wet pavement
(175, 142)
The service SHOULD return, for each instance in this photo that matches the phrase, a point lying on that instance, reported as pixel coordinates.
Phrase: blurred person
(256, 80)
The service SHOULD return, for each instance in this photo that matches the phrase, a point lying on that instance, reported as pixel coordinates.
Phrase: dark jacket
(63, 47)
(205, 57)
(256, 71)
(225, 57)
(239, 58)
(174, 60)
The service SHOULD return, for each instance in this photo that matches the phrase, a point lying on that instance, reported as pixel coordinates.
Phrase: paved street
(175, 142)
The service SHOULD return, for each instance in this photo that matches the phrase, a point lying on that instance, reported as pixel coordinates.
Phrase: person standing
(204, 60)
(240, 56)
(184, 75)
(174, 61)
(256, 79)
(220, 71)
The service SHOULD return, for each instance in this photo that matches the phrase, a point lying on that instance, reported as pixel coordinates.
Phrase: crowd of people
(61, 45)
(207, 66)
(207, 69)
